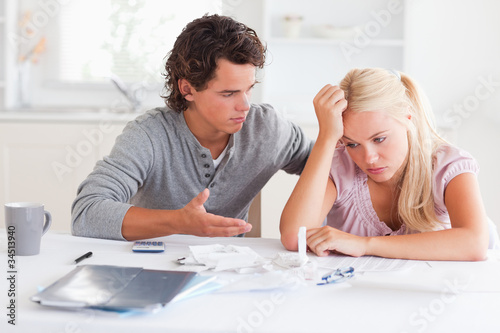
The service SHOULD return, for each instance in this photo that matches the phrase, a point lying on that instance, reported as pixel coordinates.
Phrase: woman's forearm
(314, 191)
(450, 244)
(304, 207)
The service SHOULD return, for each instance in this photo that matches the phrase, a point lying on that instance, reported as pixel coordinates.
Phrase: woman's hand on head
(329, 105)
(322, 241)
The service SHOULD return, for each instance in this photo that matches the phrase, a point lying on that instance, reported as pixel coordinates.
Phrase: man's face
(222, 107)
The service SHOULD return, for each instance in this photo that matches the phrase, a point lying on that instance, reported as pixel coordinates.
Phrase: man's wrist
(172, 221)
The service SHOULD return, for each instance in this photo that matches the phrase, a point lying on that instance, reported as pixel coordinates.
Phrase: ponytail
(416, 201)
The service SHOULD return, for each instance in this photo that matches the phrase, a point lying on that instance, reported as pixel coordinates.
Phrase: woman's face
(376, 142)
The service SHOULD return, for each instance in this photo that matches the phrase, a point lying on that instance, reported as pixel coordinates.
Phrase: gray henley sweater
(157, 163)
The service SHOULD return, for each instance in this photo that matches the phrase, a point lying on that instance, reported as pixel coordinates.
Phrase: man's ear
(186, 89)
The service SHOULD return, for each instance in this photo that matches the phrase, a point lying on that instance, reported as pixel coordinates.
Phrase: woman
(379, 169)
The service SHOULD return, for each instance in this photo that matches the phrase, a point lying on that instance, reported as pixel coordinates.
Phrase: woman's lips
(376, 171)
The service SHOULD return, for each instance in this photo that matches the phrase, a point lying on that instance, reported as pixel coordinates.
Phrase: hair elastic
(395, 73)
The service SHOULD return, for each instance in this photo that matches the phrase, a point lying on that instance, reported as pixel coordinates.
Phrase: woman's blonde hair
(376, 89)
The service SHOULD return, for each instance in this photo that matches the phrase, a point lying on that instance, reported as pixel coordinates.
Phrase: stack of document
(119, 288)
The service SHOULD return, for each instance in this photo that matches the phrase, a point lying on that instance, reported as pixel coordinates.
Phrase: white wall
(452, 48)
(455, 56)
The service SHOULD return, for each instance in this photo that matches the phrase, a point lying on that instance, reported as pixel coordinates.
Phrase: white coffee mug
(26, 223)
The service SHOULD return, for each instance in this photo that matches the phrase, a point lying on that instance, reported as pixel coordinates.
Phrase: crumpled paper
(273, 280)
(290, 260)
(223, 257)
(294, 259)
(244, 260)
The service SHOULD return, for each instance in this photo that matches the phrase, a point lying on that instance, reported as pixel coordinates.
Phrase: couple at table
(376, 169)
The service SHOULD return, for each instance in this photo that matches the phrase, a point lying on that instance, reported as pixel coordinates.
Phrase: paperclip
(337, 276)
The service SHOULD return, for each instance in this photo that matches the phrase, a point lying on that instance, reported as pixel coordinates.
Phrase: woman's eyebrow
(371, 137)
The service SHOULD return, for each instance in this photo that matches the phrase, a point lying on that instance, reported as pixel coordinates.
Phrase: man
(194, 167)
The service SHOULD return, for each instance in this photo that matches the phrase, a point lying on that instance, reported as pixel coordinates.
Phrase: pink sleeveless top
(353, 212)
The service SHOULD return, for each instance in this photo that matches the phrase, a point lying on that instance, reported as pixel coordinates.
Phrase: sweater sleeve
(102, 198)
(299, 150)
(292, 145)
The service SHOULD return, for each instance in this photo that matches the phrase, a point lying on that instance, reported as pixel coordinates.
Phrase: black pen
(85, 256)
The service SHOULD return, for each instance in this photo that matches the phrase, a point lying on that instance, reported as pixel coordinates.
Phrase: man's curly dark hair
(198, 48)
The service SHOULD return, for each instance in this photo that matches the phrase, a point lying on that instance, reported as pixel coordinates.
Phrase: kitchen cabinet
(46, 160)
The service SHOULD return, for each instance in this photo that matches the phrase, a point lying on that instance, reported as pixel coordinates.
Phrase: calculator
(148, 246)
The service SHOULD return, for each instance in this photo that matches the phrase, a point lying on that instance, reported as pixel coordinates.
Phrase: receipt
(224, 257)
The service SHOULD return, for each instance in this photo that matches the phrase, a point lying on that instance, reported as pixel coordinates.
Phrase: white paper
(290, 259)
(225, 257)
(264, 282)
(365, 263)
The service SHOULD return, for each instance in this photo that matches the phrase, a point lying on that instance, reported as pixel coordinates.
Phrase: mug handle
(48, 222)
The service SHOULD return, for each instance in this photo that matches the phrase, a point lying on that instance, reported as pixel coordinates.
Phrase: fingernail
(248, 227)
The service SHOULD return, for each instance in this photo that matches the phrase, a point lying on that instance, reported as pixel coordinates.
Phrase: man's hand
(193, 219)
(196, 220)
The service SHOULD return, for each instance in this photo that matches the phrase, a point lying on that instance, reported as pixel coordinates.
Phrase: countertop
(65, 114)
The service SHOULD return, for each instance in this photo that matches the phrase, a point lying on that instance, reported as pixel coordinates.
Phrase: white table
(429, 297)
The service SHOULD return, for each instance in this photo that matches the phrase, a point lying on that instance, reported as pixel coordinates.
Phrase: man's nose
(243, 103)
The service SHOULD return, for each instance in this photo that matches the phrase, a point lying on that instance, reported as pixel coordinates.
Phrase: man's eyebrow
(227, 91)
(373, 136)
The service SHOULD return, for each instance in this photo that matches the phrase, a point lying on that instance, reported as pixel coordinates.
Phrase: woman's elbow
(288, 232)
(478, 252)
(289, 241)
(478, 249)
(476, 256)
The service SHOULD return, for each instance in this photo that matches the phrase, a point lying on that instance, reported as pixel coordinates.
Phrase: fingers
(312, 231)
(219, 226)
(329, 104)
(312, 239)
(331, 96)
(196, 221)
(327, 91)
(325, 240)
(322, 241)
(316, 241)
(201, 198)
